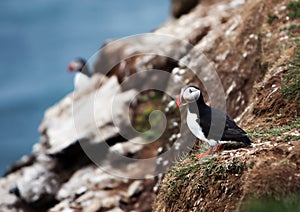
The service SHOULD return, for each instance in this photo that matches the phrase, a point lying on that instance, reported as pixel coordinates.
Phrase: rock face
(86, 117)
(234, 51)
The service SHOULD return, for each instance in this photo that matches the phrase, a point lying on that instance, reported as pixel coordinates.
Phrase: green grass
(180, 177)
(294, 8)
(287, 204)
(141, 120)
(294, 26)
(199, 175)
(291, 27)
(271, 18)
(291, 80)
(269, 131)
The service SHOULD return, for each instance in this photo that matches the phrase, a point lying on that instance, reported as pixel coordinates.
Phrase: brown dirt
(224, 182)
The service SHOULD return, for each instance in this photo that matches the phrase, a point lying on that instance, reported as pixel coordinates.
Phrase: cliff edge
(253, 49)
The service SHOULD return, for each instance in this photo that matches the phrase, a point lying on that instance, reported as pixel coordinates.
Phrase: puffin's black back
(231, 131)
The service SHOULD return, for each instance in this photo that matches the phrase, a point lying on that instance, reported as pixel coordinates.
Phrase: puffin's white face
(188, 94)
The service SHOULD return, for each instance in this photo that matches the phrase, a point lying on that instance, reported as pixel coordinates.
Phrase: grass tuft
(291, 80)
(271, 18)
(288, 203)
(271, 131)
(294, 8)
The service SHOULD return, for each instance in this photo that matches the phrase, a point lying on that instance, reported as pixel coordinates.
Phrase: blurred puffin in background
(215, 131)
(82, 74)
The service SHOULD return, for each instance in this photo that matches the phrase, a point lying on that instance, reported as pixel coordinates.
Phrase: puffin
(200, 121)
(82, 75)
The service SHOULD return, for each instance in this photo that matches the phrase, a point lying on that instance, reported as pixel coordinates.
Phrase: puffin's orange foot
(204, 153)
(218, 148)
(201, 155)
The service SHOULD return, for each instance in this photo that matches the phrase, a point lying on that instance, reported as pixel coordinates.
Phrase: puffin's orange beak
(70, 67)
(178, 101)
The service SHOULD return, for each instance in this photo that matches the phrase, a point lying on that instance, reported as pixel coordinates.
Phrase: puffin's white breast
(194, 126)
(80, 80)
(196, 129)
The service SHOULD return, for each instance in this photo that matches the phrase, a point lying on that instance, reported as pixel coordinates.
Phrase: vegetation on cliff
(264, 177)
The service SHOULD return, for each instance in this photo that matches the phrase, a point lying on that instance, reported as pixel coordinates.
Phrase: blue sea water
(37, 40)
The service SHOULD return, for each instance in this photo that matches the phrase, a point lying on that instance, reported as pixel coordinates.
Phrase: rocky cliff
(244, 55)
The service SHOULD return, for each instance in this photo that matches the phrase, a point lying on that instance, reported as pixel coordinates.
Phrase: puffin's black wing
(232, 132)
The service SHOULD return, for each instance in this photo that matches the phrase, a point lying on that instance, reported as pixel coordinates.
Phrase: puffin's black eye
(190, 90)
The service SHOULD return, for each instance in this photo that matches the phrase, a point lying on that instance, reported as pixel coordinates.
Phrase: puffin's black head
(188, 94)
(77, 64)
